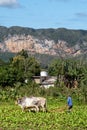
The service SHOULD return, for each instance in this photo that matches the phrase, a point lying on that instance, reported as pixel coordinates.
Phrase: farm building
(44, 80)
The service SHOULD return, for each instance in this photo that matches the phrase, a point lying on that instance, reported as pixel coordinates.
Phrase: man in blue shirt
(69, 102)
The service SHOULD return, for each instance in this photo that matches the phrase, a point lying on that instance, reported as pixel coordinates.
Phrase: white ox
(33, 103)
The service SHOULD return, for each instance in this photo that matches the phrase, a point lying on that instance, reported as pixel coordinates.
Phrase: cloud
(9, 3)
(81, 14)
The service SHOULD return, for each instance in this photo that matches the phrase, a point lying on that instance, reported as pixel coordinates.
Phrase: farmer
(69, 103)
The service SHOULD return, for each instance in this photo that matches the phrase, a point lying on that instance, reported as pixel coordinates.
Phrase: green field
(57, 117)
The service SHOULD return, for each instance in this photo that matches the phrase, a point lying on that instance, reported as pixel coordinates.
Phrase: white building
(44, 80)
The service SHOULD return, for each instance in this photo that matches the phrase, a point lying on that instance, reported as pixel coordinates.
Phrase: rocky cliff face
(32, 44)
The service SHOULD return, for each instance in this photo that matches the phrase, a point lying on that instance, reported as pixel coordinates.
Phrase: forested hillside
(44, 44)
(70, 36)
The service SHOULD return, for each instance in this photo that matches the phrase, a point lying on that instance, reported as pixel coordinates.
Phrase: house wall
(47, 85)
(37, 81)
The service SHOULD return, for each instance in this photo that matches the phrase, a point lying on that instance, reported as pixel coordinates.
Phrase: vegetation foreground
(57, 117)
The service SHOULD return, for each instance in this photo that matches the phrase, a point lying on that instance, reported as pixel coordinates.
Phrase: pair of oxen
(32, 103)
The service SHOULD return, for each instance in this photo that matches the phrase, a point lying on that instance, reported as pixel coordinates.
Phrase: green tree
(56, 67)
(23, 53)
(7, 76)
(25, 67)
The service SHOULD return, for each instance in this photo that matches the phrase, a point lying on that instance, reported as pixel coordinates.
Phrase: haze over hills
(59, 42)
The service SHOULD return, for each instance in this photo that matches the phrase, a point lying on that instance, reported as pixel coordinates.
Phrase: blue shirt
(69, 101)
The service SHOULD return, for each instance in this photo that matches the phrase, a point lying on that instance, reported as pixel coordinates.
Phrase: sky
(38, 14)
